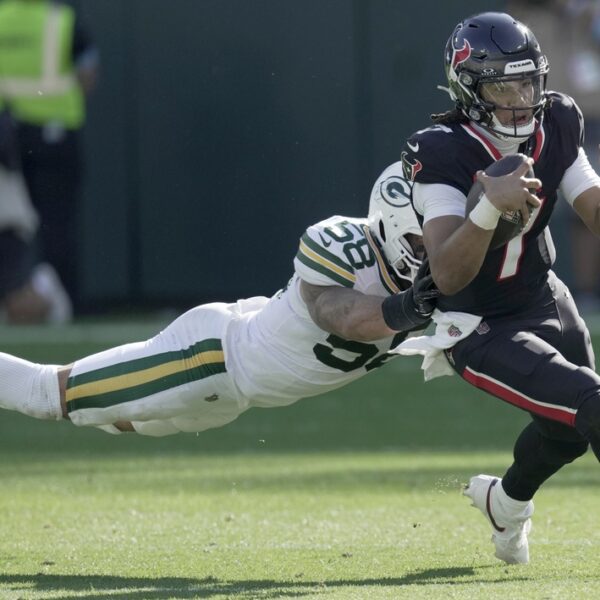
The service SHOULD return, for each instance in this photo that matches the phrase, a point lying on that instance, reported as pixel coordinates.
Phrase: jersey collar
(497, 148)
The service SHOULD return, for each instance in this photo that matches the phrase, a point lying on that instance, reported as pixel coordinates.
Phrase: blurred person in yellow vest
(30, 292)
(48, 63)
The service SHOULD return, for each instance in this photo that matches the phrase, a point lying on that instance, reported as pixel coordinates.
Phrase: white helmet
(391, 217)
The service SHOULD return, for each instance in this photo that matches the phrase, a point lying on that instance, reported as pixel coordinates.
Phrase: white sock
(29, 388)
(509, 509)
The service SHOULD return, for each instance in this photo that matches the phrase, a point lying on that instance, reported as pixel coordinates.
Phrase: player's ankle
(44, 399)
(511, 509)
(29, 388)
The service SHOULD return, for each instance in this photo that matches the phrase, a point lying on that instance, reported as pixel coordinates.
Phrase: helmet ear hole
(382, 230)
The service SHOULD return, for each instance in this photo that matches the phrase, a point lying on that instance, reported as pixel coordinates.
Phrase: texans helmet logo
(459, 55)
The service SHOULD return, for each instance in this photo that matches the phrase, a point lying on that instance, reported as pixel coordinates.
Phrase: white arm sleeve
(580, 176)
(438, 200)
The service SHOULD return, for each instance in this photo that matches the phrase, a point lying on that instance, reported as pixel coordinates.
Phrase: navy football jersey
(451, 154)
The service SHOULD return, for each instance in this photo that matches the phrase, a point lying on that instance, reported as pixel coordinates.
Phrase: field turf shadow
(96, 587)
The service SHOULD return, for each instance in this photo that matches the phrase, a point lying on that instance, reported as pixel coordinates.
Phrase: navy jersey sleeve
(437, 155)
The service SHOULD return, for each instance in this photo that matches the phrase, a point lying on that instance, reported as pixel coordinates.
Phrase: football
(510, 223)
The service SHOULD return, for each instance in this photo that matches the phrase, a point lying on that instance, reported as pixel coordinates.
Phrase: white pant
(176, 381)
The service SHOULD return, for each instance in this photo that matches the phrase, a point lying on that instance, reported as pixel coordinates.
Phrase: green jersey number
(358, 253)
(366, 354)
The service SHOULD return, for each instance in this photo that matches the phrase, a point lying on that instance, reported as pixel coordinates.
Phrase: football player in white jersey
(348, 303)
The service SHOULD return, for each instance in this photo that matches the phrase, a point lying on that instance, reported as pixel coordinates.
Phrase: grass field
(353, 495)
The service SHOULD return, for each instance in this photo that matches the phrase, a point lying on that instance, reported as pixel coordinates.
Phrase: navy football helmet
(497, 74)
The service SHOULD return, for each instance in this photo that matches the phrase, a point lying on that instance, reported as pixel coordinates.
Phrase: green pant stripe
(139, 364)
(146, 389)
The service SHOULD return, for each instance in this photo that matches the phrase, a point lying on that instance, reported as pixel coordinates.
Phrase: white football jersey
(274, 351)
(217, 360)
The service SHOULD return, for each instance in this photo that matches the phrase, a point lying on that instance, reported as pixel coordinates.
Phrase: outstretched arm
(364, 318)
(345, 312)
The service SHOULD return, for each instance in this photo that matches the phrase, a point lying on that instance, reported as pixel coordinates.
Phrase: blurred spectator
(48, 64)
(569, 33)
(29, 293)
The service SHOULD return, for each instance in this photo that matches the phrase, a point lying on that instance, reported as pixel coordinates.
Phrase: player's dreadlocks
(450, 117)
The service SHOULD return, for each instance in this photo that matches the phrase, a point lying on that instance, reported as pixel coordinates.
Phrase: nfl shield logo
(454, 331)
(483, 328)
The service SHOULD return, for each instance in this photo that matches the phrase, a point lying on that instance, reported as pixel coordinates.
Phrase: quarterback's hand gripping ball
(511, 223)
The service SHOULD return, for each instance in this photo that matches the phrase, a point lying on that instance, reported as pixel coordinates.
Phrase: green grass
(353, 495)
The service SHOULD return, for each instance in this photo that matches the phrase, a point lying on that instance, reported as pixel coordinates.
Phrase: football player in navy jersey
(531, 348)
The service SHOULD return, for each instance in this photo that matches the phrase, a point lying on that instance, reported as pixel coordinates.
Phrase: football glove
(413, 307)
(425, 293)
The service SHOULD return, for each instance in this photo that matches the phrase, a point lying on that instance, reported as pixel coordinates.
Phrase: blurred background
(217, 130)
(220, 129)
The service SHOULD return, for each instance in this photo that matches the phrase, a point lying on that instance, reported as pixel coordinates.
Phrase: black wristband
(400, 312)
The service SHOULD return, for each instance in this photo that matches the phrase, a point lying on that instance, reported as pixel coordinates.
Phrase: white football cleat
(510, 519)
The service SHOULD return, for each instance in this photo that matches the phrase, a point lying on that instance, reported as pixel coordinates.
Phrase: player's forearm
(350, 315)
(455, 258)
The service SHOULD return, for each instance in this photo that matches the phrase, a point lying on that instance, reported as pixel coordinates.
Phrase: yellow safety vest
(37, 79)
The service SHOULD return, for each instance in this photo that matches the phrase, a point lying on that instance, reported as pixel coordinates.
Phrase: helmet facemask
(408, 247)
(511, 104)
